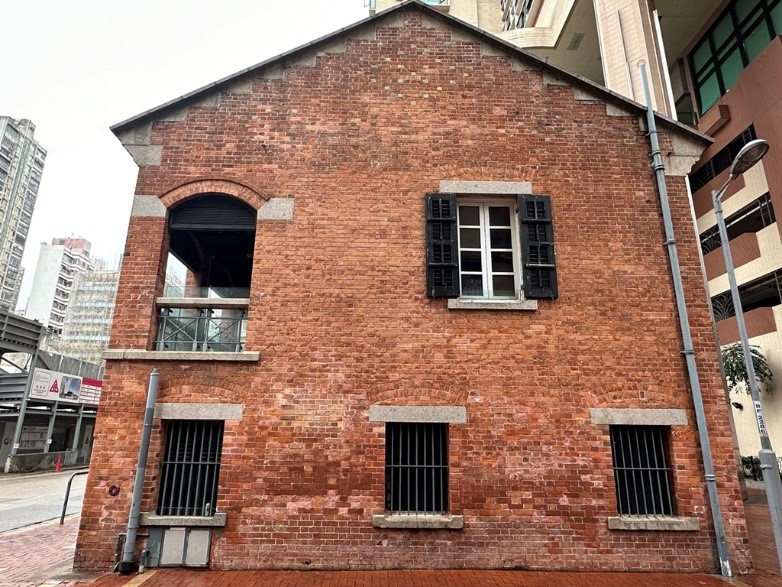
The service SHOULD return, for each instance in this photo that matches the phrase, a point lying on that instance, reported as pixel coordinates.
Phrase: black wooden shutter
(537, 246)
(442, 247)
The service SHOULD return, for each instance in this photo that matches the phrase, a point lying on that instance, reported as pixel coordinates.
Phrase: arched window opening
(211, 241)
(213, 237)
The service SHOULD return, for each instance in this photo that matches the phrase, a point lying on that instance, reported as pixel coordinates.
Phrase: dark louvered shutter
(442, 247)
(537, 245)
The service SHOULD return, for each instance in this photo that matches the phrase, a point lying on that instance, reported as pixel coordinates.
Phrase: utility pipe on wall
(127, 564)
(684, 323)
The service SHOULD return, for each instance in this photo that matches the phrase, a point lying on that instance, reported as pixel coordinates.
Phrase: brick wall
(357, 134)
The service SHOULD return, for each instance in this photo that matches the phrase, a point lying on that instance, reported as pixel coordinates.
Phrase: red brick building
(393, 368)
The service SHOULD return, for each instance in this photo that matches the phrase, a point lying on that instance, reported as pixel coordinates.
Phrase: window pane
(723, 30)
(757, 39)
(701, 55)
(501, 238)
(776, 18)
(731, 68)
(709, 92)
(745, 7)
(469, 216)
(470, 261)
(470, 238)
(504, 285)
(501, 261)
(499, 216)
(472, 285)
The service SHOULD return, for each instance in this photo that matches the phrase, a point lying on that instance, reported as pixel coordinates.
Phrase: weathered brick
(340, 316)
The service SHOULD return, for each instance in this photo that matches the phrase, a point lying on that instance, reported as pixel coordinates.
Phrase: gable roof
(512, 50)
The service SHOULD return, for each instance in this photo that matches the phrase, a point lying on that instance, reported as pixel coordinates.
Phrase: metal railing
(68, 493)
(201, 329)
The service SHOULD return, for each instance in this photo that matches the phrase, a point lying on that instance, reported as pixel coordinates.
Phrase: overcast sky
(76, 67)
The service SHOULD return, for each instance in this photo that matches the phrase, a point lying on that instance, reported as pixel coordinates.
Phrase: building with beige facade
(713, 64)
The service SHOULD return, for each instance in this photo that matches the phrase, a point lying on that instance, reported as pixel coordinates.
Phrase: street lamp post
(748, 156)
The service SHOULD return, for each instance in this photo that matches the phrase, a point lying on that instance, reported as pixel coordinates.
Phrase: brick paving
(42, 555)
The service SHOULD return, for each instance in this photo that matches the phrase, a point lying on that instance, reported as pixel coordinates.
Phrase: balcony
(200, 319)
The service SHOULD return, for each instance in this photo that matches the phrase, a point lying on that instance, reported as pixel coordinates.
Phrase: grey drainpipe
(127, 564)
(684, 323)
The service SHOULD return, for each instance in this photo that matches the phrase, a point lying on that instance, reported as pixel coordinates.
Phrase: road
(31, 499)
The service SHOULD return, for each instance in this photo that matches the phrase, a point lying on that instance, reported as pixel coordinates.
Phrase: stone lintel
(511, 188)
(639, 417)
(428, 414)
(199, 411)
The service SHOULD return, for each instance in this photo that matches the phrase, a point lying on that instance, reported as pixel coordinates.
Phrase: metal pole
(50, 429)
(25, 399)
(127, 564)
(684, 324)
(768, 460)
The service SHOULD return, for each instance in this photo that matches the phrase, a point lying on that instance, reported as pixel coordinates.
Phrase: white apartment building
(85, 333)
(21, 166)
(59, 264)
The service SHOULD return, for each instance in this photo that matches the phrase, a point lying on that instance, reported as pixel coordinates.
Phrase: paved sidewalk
(41, 555)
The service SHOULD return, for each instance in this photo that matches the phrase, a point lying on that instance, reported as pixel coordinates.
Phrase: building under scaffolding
(48, 402)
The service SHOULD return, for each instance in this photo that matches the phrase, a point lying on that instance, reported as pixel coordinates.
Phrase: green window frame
(738, 36)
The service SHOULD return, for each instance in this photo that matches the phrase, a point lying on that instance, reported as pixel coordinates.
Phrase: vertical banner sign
(761, 421)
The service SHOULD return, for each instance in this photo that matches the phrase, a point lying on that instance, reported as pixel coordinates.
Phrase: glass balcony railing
(201, 329)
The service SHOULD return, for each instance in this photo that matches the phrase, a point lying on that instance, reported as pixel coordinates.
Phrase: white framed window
(489, 258)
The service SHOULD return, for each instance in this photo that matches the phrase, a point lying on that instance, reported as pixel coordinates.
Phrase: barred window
(416, 468)
(642, 470)
(191, 468)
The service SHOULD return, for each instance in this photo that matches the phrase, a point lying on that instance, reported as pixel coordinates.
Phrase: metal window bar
(416, 468)
(642, 472)
(201, 329)
(191, 468)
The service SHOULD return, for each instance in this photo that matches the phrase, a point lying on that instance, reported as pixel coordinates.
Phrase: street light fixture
(748, 156)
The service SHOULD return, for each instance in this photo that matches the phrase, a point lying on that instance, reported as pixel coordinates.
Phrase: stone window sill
(667, 523)
(216, 521)
(139, 355)
(418, 522)
(481, 304)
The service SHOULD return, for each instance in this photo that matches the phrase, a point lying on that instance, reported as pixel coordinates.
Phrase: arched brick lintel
(207, 186)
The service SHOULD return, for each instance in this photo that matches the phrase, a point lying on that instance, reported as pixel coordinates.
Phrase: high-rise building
(85, 332)
(59, 264)
(21, 166)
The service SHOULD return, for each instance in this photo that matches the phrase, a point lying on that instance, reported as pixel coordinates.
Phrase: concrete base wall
(39, 461)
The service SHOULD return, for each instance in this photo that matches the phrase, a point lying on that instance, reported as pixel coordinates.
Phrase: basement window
(191, 468)
(416, 468)
(642, 471)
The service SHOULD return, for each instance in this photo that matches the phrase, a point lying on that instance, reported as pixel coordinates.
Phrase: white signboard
(55, 386)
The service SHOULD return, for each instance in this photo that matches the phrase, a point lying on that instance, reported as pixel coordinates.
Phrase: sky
(77, 67)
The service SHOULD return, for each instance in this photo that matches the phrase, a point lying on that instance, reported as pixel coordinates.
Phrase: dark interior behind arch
(213, 235)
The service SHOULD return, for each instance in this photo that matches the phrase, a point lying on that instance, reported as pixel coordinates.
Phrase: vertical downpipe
(127, 564)
(684, 323)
